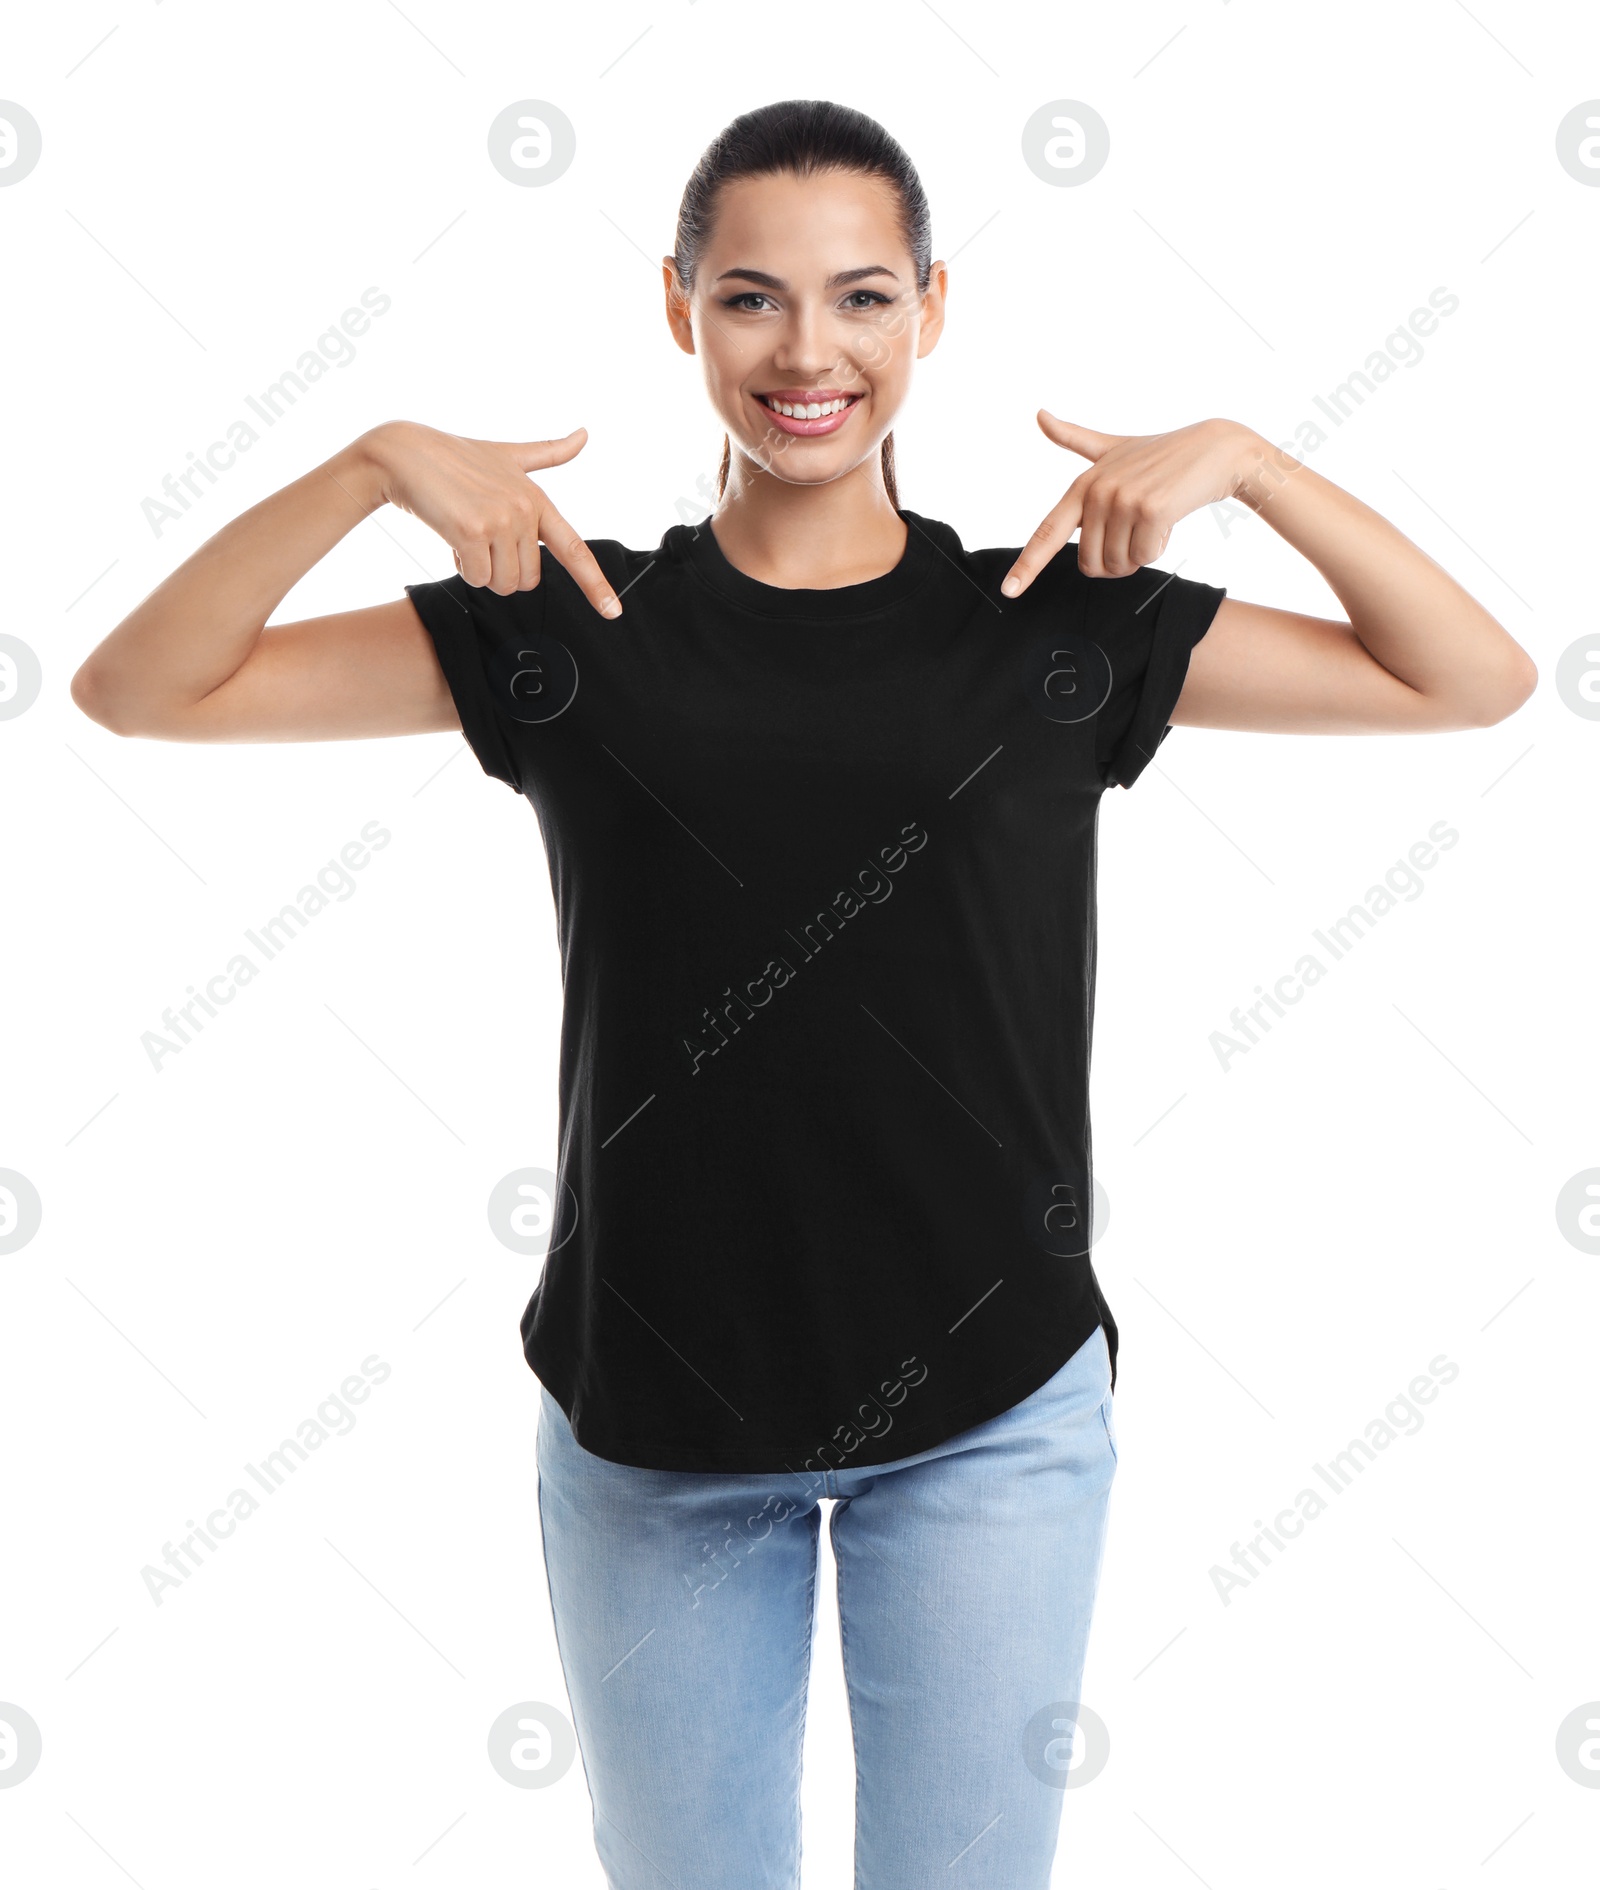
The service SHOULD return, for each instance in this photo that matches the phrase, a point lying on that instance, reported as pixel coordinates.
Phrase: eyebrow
(837, 281)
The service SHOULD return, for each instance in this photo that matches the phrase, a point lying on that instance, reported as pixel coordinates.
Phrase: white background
(1292, 1240)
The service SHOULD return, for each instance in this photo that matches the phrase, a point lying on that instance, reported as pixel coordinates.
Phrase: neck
(809, 537)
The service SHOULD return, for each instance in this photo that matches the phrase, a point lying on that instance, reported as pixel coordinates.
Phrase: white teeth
(809, 410)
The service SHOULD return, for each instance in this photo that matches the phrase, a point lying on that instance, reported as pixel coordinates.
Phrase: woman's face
(806, 297)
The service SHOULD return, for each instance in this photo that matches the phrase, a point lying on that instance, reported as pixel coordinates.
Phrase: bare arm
(1419, 652)
(198, 661)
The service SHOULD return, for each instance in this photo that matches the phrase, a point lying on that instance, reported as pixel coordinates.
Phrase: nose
(806, 351)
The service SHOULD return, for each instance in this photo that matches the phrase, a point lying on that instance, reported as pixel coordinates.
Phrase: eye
(745, 300)
(865, 299)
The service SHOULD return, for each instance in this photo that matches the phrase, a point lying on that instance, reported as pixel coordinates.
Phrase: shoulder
(624, 566)
(987, 565)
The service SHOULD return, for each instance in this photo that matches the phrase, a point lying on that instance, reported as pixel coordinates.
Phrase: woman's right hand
(477, 496)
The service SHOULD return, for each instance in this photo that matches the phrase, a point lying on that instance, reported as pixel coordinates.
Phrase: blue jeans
(684, 1606)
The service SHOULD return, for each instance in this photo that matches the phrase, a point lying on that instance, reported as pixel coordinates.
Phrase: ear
(677, 306)
(932, 325)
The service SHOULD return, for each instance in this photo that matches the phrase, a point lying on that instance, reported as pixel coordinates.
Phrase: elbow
(1519, 684)
(92, 696)
(86, 696)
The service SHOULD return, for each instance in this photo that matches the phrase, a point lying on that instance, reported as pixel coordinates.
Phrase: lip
(808, 429)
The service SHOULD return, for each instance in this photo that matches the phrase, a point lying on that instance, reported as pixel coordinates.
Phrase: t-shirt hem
(1184, 613)
(453, 632)
(777, 1459)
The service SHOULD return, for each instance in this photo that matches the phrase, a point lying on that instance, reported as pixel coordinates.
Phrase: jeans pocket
(1108, 1419)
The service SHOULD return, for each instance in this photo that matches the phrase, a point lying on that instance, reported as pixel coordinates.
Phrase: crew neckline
(700, 552)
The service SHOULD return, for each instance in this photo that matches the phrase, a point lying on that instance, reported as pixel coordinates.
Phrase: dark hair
(802, 135)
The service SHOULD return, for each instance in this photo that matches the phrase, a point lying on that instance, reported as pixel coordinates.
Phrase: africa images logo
(870, 886)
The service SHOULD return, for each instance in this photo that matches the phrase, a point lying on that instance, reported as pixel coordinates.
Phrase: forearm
(199, 625)
(1411, 615)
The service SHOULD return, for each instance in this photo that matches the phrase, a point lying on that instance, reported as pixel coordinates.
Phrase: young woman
(819, 789)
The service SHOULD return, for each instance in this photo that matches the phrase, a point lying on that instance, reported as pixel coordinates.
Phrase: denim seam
(544, 1549)
(806, 1651)
(850, 1703)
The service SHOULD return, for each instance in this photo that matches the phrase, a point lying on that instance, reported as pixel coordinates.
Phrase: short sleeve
(476, 634)
(1147, 624)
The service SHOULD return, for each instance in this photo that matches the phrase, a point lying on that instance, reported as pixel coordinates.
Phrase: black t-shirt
(823, 864)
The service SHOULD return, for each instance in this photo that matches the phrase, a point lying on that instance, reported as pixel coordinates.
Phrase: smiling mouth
(808, 412)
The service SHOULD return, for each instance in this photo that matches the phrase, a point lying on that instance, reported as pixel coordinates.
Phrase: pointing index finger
(581, 563)
(1054, 531)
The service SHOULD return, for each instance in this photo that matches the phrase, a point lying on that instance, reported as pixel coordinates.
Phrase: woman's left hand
(1138, 487)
